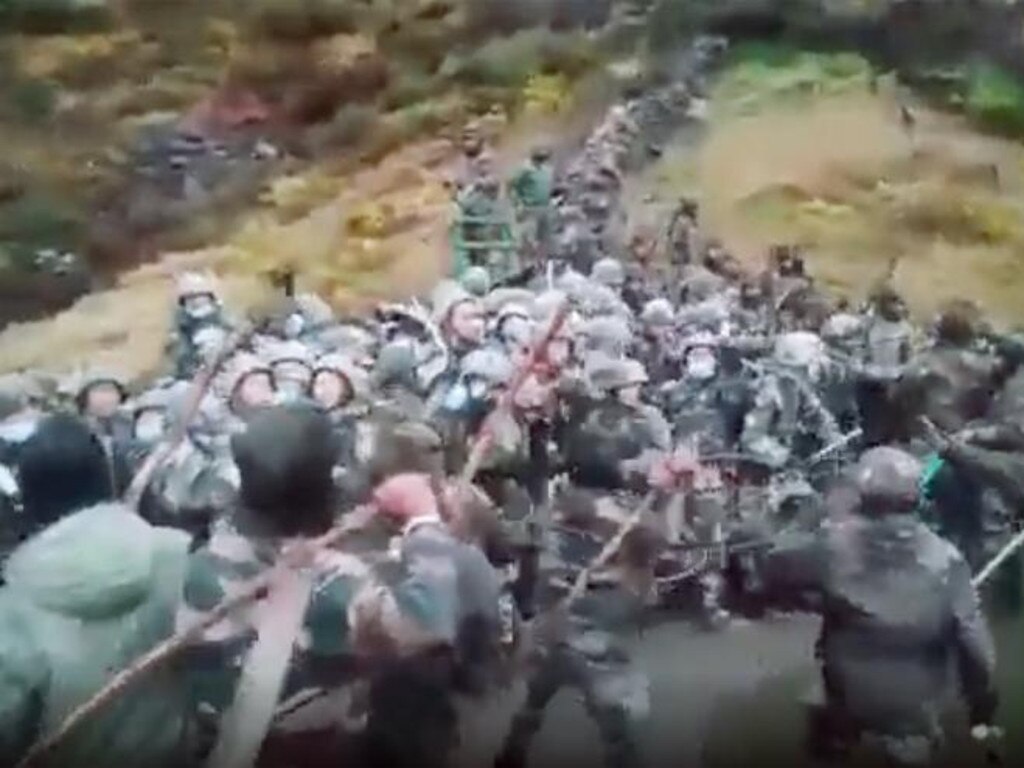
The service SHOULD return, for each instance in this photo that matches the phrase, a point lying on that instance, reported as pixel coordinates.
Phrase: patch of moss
(510, 62)
(995, 99)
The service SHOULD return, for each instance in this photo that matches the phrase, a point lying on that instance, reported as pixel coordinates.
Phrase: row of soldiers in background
(738, 403)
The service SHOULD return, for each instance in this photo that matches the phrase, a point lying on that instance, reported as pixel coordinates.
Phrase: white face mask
(150, 425)
(701, 365)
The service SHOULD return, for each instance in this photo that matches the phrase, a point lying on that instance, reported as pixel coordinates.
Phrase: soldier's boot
(713, 616)
(830, 739)
(527, 721)
(620, 746)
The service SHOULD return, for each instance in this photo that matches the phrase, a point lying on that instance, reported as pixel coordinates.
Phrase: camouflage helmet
(276, 351)
(446, 296)
(242, 365)
(396, 364)
(608, 272)
(610, 335)
(499, 298)
(658, 313)
(573, 283)
(357, 378)
(195, 284)
(476, 281)
(507, 319)
(546, 304)
(609, 376)
(888, 478)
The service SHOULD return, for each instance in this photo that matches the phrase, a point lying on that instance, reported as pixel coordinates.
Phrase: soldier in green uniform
(365, 611)
(531, 189)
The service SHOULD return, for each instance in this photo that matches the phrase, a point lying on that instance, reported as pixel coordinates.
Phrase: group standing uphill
(344, 525)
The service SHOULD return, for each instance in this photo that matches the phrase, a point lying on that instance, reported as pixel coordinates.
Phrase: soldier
(291, 363)
(658, 345)
(683, 236)
(247, 385)
(394, 379)
(531, 189)
(698, 409)
(609, 273)
(609, 444)
(360, 616)
(62, 467)
(412, 719)
(788, 421)
(582, 646)
(888, 347)
(198, 308)
(476, 281)
(99, 398)
(487, 230)
(460, 317)
(952, 383)
(899, 612)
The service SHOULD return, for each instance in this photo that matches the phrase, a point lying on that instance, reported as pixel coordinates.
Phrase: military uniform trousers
(614, 694)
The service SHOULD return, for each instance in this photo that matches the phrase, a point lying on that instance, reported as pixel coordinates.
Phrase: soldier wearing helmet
(531, 189)
(99, 397)
(611, 441)
(247, 384)
(900, 613)
(788, 420)
(198, 318)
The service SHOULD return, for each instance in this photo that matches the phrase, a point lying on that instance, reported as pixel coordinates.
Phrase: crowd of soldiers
(663, 431)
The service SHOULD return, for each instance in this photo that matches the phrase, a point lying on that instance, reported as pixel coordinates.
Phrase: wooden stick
(197, 391)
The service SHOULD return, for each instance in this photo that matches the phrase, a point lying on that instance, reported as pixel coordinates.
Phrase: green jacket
(532, 186)
(83, 599)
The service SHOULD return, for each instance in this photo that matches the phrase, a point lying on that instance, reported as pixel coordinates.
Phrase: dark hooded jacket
(898, 608)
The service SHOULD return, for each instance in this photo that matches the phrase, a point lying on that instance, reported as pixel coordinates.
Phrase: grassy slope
(802, 150)
(354, 231)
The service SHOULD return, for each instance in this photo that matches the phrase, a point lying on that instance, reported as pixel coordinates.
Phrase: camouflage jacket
(787, 421)
(364, 606)
(602, 619)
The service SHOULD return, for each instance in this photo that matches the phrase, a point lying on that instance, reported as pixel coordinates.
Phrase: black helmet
(888, 480)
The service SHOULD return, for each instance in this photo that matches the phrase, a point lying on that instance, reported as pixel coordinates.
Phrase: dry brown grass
(354, 250)
(839, 175)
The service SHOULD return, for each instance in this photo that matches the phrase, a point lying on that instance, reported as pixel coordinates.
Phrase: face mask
(288, 392)
(150, 425)
(19, 428)
(701, 367)
(294, 326)
(200, 307)
(457, 399)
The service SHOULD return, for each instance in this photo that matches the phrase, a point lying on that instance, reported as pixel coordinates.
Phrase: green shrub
(49, 17)
(511, 61)
(762, 74)
(995, 99)
(411, 87)
(32, 101)
(35, 221)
